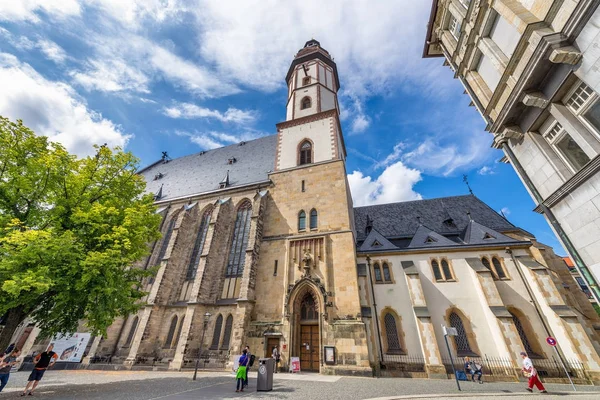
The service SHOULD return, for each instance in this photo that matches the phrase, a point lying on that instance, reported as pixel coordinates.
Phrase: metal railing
(208, 359)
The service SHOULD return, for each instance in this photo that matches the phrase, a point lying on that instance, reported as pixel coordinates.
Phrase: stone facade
(530, 68)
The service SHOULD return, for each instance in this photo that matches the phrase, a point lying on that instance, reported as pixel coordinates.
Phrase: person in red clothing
(42, 362)
(530, 371)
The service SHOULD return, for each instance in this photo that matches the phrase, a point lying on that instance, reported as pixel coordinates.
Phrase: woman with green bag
(241, 372)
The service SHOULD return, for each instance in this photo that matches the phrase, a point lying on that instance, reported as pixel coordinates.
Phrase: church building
(262, 246)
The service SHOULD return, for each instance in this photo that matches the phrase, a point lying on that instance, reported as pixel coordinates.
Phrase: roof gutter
(216, 191)
(434, 6)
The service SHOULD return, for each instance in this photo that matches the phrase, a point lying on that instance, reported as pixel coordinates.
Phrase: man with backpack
(251, 358)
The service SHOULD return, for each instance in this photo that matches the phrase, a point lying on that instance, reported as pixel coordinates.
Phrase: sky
(188, 75)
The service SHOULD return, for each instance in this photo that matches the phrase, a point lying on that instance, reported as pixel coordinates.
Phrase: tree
(71, 230)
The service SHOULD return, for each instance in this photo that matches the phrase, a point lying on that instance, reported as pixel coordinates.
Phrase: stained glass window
(198, 245)
(239, 242)
(217, 333)
(391, 334)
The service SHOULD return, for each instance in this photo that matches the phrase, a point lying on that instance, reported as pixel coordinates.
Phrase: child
(5, 366)
(241, 372)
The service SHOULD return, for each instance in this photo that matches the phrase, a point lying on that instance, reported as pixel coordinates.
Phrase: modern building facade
(531, 70)
(261, 246)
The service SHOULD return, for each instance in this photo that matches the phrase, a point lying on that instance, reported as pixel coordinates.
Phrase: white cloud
(192, 111)
(27, 10)
(485, 170)
(53, 109)
(212, 139)
(505, 211)
(394, 184)
(360, 124)
(53, 51)
(111, 75)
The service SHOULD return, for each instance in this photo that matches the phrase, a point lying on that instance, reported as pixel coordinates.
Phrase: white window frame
(554, 134)
(454, 26)
(579, 110)
(465, 3)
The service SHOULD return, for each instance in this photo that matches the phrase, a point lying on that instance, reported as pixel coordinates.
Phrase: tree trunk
(15, 317)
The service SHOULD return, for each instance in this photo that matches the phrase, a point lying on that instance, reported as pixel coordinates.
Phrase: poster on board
(70, 348)
(295, 364)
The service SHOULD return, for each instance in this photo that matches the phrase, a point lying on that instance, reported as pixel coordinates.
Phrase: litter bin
(266, 367)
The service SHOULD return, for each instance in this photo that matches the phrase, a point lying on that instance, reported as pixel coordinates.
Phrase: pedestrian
(471, 367)
(241, 372)
(42, 361)
(6, 365)
(251, 358)
(276, 356)
(532, 374)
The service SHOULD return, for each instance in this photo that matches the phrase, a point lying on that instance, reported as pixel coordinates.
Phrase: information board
(295, 364)
(70, 348)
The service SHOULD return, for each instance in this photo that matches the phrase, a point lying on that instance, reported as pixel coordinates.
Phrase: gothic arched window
(313, 219)
(377, 271)
(167, 238)
(500, 274)
(227, 332)
(171, 334)
(305, 152)
(306, 103)
(301, 220)
(386, 273)
(217, 333)
(437, 273)
(239, 241)
(463, 348)
(308, 310)
(447, 270)
(391, 334)
(523, 335)
(132, 330)
(486, 263)
(198, 245)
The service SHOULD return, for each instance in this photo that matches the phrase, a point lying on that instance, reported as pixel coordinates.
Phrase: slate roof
(397, 220)
(203, 171)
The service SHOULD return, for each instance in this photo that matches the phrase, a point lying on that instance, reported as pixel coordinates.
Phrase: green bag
(241, 372)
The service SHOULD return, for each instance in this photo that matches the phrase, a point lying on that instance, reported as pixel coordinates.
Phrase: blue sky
(184, 76)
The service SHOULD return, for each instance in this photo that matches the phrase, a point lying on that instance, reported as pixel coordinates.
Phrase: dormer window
(306, 103)
(487, 236)
(158, 176)
(232, 160)
(430, 240)
(306, 81)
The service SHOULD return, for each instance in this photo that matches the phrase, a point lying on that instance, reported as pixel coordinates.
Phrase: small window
(377, 271)
(306, 103)
(217, 333)
(227, 333)
(447, 271)
(305, 153)
(306, 81)
(498, 268)
(275, 269)
(454, 26)
(132, 330)
(313, 219)
(568, 148)
(171, 334)
(391, 334)
(301, 220)
(386, 273)
(486, 263)
(303, 186)
(437, 274)
(463, 347)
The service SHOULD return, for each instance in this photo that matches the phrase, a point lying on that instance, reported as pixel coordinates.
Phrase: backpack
(252, 357)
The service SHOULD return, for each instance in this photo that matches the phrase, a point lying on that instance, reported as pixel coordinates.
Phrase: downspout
(579, 264)
(375, 310)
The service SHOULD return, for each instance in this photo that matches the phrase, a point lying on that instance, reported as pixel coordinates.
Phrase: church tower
(311, 132)
(307, 263)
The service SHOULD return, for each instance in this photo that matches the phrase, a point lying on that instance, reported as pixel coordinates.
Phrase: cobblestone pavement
(134, 385)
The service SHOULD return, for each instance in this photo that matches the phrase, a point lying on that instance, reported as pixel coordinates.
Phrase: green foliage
(70, 231)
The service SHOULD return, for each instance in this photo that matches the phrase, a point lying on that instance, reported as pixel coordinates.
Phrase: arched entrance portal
(307, 332)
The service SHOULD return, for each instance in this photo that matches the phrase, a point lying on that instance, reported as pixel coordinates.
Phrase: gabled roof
(252, 161)
(376, 241)
(425, 237)
(446, 215)
(475, 233)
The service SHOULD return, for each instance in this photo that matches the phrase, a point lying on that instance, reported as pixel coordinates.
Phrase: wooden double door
(309, 348)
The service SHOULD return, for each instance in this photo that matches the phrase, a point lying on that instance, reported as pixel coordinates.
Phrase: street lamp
(206, 318)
